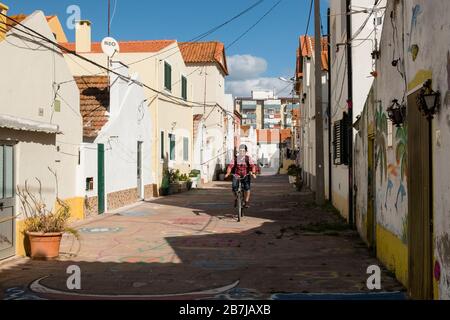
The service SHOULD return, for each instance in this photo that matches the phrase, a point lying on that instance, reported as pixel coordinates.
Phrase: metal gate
(7, 221)
(419, 200)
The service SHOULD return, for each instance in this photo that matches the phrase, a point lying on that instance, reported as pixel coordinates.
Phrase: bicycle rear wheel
(239, 206)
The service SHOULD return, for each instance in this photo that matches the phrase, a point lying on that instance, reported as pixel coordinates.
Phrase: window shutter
(184, 88)
(167, 76)
(341, 140)
(337, 157)
(162, 144)
(186, 149)
(172, 146)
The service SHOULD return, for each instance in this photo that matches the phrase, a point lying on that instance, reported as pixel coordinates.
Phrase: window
(167, 76)
(172, 146)
(89, 184)
(186, 149)
(184, 87)
(162, 145)
(340, 141)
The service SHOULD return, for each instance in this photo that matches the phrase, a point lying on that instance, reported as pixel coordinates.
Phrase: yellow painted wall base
(76, 208)
(393, 253)
(76, 213)
(341, 204)
(20, 239)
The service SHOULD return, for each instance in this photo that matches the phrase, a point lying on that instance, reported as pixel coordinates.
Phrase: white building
(306, 77)
(206, 67)
(117, 150)
(365, 35)
(40, 126)
(161, 67)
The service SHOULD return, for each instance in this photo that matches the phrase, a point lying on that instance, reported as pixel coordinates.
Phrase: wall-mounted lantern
(397, 113)
(428, 100)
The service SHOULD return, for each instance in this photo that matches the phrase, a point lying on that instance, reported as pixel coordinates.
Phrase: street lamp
(396, 113)
(428, 100)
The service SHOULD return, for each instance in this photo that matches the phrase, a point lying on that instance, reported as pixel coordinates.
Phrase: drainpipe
(350, 114)
(330, 196)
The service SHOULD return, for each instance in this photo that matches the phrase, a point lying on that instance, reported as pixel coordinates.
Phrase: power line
(129, 79)
(255, 24)
(203, 35)
(239, 37)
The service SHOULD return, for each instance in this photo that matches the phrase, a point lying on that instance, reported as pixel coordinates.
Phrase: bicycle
(240, 198)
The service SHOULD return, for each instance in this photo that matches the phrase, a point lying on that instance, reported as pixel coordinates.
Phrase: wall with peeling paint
(414, 47)
(427, 41)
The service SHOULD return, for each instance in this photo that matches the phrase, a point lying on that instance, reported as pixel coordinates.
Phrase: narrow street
(190, 246)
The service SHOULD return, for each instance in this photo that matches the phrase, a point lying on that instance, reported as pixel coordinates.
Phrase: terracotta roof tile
(307, 45)
(94, 103)
(128, 46)
(201, 52)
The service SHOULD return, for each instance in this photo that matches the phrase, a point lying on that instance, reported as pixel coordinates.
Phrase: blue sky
(270, 47)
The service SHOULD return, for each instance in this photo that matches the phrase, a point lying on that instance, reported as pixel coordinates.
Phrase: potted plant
(44, 228)
(194, 176)
(174, 179)
(183, 182)
(293, 172)
(165, 185)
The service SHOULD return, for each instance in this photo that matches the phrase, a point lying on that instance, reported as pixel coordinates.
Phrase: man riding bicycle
(242, 166)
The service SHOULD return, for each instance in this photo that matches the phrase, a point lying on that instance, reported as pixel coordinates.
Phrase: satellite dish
(110, 46)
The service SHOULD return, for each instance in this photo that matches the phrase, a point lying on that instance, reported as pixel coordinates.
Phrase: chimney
(83, 36)
(3, 27)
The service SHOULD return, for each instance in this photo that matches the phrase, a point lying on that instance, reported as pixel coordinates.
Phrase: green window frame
(162, 145)
(186, 149)
(167, 76)
(172, 146)
(184, 87)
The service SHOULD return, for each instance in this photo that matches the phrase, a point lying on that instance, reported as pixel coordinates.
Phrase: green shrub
(194, 173)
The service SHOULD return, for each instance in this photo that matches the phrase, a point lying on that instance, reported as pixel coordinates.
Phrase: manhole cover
(136, 213)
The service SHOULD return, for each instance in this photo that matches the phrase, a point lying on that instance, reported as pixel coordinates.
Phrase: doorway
(420, 213)
(101, 178)
(140, 183)
(7, 219)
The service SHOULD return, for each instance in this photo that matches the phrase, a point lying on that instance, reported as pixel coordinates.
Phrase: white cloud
(242, 67)
(246, 76)
(244, 88)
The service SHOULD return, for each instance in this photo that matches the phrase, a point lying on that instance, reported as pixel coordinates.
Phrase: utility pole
(320, 177)
(351, 220)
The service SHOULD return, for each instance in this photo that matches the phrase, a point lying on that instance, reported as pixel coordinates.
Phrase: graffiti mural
(380, 140)
(401, 155)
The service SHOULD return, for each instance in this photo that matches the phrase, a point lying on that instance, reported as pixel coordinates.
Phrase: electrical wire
(129, 79)
(203, 35)
(254, 25)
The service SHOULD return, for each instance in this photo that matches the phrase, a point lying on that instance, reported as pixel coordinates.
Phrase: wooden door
(419, 200)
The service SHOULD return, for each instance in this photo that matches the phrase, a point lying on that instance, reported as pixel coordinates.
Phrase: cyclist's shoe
(246, 205)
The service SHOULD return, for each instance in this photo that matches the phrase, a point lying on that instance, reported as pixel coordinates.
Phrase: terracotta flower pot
(44, 245)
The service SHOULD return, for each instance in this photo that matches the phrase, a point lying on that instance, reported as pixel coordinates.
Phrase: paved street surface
(190, 246)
